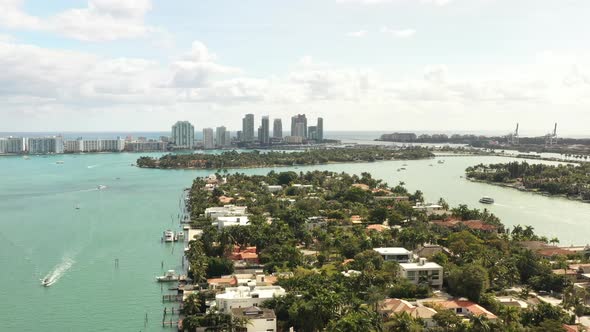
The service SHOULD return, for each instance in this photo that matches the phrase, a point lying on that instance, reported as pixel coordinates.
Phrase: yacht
(180, 236)
(169, 276)
(168, 236)
(486, 200)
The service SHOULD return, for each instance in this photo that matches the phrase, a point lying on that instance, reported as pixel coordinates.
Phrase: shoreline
(536, 192)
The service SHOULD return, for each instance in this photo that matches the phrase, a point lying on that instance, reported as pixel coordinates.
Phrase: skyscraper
(208, 142)
(220, 137)
(277, 128)
(183, 135)
(312, 133)
(227, 138)
(264, 138)
(248, 128)
(299, 125)
(320, 129)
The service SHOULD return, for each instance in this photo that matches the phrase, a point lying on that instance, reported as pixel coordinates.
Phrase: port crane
(512, 138)
(551, 138)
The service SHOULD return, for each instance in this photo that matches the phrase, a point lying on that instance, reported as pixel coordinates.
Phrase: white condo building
(183, 135)
(42, 145)
(11, 145)
(396, 254)
(422, 272)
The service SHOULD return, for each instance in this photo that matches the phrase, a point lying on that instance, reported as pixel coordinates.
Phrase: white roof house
(422, 272)
(397, 254)
(221, 222)
(243, 296)
(226, 210)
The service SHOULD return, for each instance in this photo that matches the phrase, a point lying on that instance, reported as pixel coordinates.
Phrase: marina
(125, 222)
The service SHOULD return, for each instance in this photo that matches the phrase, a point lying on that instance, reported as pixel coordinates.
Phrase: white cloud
(101, 20)
(399, 33)
(358, 34)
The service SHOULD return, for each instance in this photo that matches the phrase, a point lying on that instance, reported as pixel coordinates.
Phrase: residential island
(235, 159)
(326, 251)
(571, 181)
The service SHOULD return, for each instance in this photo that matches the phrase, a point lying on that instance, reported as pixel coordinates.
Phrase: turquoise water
(41, 232)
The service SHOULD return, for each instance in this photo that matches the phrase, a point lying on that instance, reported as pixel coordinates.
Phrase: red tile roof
(473, 308)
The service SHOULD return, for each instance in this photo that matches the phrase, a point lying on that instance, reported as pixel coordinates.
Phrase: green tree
(470, 281)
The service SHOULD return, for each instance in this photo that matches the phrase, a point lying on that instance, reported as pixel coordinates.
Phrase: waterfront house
(256, 319)
(389, 307)
(222, 283)
(396, 254)
(225, 211)
(475, 225)
(464, 308)
(227, 221)
(422, 272)
(246, 296)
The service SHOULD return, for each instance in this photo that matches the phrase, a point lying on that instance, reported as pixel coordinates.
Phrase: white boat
(59, 162)
(26, 158)
(486, 200)
(46, 282)
(168, 236)
(101, 187)
(169, 276)
(180, 236)
(441, 161)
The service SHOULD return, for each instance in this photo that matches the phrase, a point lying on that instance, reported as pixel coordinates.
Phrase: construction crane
(551, 138)
(512, 138)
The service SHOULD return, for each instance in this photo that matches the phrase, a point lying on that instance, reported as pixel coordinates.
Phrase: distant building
(208, 142)
(293, 139)
(220, 137)
(248, 128)
(299, 125)
(112, 145)
(94, 145)
(264, 136)
(42, 145)
(312, 133)
(320, 129)
(183, 135)
(12, 145)
(227, 138)
(277, 128)
(74, 146)
(146, 146)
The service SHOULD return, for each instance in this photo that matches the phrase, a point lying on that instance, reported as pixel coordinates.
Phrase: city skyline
(98, 65)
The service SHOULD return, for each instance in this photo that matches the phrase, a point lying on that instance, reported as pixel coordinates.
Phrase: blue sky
(101, 65)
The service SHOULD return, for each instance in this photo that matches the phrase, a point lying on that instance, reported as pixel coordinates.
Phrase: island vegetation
(568, 180)
(235, 159)
(317, 232)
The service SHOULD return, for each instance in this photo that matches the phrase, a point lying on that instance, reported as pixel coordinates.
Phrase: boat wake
(92, 166)
(58, 271)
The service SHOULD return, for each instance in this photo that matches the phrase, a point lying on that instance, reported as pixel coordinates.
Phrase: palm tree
(480, 323)
(554, 240)
(509, 315)
(403, 322)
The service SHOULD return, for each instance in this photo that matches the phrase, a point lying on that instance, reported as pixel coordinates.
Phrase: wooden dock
(171, 298)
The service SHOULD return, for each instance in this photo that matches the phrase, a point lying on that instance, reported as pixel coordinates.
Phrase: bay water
(54, 221)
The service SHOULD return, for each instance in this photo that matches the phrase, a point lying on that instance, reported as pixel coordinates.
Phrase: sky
(386, 65)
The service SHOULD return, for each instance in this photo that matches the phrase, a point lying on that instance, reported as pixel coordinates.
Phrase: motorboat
(101, 187)
(486, 200)
(46, 282)
(26, 157)
(441, 161)
(169, 276)
(179, 236)
(168, 236)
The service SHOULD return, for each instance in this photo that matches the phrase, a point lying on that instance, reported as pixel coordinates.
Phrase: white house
(258, 319)
(224, 211)
(244, 296)
(422, 271)
(396, 254)
(273, 188)
(221, 222)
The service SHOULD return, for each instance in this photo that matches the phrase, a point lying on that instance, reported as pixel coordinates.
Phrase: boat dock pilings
(171, 298)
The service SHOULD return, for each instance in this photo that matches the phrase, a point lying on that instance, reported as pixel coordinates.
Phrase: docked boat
(168, 236)
(486, 200)
(179, 236)
(169, 276)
